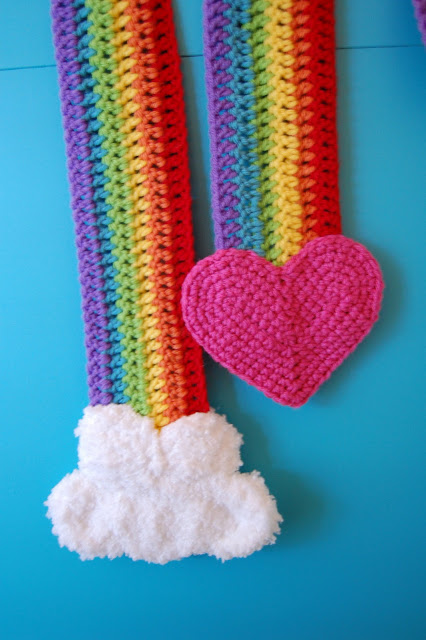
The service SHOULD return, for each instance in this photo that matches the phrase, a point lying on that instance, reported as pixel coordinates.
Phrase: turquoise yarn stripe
(102, 208)
(245, 155)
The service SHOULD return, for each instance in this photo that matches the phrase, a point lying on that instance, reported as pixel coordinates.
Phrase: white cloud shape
(160, 495)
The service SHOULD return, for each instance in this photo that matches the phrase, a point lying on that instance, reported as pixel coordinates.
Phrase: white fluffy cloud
(160, 495)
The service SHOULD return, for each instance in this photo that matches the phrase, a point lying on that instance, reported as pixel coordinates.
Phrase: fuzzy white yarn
(160, 495)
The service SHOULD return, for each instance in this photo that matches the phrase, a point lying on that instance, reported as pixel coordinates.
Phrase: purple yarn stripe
(224, 202)
(79, 174)
(420, 11)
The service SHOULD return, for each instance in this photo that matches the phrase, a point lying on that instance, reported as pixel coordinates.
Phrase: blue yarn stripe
(245, 154)
(99, 180)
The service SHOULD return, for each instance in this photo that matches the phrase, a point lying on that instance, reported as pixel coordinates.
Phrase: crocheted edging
(284, 329)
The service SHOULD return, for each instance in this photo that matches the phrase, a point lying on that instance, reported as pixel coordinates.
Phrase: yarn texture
(122, 101)
(271, 85)
(158, 471)
(286, 298)
(284, 329)
(160, 495)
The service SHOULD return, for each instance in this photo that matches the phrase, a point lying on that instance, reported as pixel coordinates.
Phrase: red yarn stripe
(315, 75)
(164, 136)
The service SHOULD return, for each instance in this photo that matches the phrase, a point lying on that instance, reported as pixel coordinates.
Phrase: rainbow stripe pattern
(270, 68)
(124, 120)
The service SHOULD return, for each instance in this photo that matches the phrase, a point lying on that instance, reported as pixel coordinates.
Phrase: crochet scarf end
(160, 495)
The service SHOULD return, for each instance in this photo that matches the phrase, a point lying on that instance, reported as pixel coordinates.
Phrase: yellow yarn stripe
(104, 75)
(285, 130)
(139, 195)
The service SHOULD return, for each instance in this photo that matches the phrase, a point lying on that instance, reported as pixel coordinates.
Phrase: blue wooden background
(348, 469)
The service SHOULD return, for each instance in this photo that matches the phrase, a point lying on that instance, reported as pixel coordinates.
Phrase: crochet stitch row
(270, 68)
(123, 110)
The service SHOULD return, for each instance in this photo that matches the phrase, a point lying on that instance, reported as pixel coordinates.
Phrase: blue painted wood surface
(347, 469)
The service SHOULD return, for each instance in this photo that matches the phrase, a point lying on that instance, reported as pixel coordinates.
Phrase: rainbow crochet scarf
(149, 493)
(126, 141)
(286, 298)
(271, 84)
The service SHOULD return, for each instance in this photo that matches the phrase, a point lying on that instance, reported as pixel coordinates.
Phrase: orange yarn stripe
(164, 245)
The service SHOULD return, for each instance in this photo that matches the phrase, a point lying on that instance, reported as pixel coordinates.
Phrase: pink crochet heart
(284, 329)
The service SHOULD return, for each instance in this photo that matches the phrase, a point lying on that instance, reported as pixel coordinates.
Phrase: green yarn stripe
(264, 129)
(119, 200)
